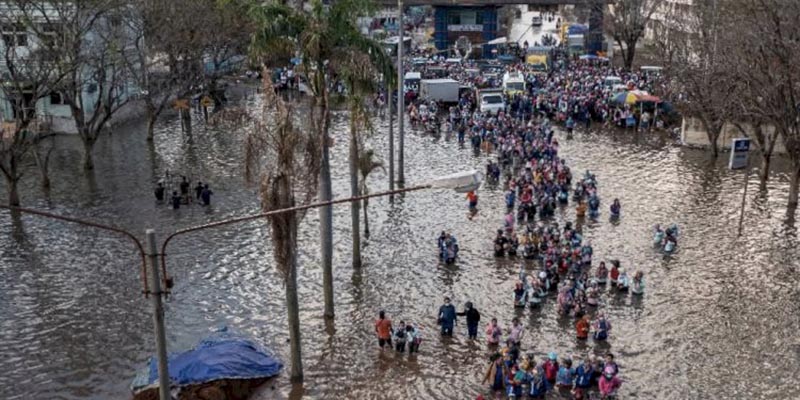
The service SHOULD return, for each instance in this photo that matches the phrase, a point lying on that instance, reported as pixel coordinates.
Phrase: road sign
(740, 147)
(206, 101)
(181, 104)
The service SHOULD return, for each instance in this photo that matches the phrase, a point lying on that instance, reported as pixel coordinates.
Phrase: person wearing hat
(473, 319)
(609, 383)
(447, 317)
(551, 367)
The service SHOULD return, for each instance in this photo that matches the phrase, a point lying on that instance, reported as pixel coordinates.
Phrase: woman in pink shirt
(609, 383)
(493, 333)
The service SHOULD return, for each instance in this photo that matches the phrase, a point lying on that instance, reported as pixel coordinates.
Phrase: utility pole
(158, 317)
(390, 101)
(400, 92)
(744, 198)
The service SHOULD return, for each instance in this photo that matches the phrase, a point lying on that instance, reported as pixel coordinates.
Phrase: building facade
(22, 46)
(671, 17)
(478, 24)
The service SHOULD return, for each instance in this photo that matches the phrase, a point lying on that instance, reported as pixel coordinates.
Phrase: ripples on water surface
(719, 319)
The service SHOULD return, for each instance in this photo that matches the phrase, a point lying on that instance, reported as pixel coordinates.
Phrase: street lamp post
(460, 182)
(401, 109)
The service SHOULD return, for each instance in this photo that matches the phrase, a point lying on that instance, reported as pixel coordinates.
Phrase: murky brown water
(719, 319)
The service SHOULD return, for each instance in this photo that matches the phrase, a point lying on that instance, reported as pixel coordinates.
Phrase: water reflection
(74, 324)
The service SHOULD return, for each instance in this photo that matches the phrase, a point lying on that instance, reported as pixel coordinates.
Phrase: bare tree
(702, 81)
(27, 76)
(285, 161)
(768, 30)
(626, 22)
(226, 33)
(87, 44)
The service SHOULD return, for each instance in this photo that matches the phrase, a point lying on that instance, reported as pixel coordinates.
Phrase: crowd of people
(202, 194)
(571, 92)
(557, 261)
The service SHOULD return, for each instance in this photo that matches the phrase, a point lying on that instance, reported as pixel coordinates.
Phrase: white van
(491, 101)
(610, 81)
(651, 70)
(536, 20)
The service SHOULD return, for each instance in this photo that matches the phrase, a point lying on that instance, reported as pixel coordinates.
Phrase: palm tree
(318, 35)
(367, 164)
(284, 161)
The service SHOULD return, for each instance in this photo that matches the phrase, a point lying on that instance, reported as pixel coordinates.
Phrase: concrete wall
(132, 110)
(694, 135)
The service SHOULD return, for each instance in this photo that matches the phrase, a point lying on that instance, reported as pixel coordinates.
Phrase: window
(49, 35)
(454, 18)
(56, 99)
(15, 35)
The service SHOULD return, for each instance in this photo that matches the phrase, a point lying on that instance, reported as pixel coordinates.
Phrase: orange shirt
(582, 326)
(383, 326)
(472, 197)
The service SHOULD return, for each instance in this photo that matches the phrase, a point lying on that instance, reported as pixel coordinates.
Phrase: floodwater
(719, 319)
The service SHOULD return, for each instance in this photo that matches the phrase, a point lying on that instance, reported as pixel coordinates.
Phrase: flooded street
(719, 319)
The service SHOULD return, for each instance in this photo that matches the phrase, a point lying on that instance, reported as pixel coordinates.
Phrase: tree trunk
(712, 133)
(151, 123)
(629, 55)
(326, 215)
(186, 121)
(366, 218)
(763, 175)
(354, 206)
(88, 160)
(292, 304)
(42, 165)
(12, 186)
(284, 240)
(794, 185)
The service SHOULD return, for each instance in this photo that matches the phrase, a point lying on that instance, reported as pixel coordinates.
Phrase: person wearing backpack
(601, 328)
(583, 374)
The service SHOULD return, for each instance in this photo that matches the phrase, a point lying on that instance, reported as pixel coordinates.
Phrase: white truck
(491, 101)
(442, 90)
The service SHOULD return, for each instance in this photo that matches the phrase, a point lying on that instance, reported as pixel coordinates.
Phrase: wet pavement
(719, 319)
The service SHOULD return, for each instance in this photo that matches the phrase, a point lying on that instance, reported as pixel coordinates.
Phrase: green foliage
(322, 37)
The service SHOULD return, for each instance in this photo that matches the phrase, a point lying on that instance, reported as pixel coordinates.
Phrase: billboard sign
(740, 148)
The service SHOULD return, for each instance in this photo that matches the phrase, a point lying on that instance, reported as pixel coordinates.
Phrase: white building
(22, 38)
(670, 17)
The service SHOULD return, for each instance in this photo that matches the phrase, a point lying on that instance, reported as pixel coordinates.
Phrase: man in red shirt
(582, 327)
(383, 327)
